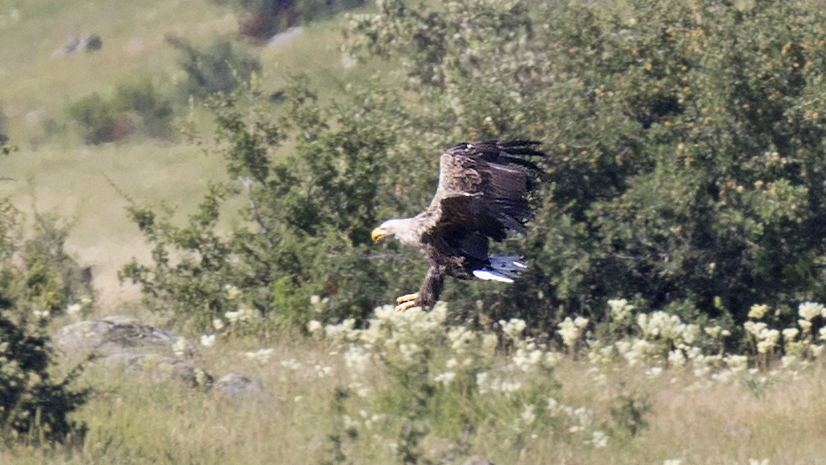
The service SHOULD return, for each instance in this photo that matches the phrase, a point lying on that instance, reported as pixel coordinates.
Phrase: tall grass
(135, 421)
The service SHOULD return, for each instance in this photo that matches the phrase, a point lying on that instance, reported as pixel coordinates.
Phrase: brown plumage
(482, 194)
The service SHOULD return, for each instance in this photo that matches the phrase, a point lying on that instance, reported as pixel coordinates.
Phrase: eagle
(482, 194)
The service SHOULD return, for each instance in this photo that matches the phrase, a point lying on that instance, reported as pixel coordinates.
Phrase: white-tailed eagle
(482, 194)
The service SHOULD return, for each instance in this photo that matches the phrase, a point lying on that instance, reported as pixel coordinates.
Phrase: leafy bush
(685, 141)
(694, 185)
(221, 67)
(33, 406)
(309, 212)
(96, 119)
(134, 107)
(263, 19)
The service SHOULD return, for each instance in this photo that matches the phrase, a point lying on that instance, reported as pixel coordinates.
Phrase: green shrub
(135, 107)
(685, 141)
(33, 406)
(685, 166)
(96, 119)
(221, 67)
(309, 213)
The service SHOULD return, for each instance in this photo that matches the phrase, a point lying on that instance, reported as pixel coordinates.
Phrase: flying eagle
(482, 194)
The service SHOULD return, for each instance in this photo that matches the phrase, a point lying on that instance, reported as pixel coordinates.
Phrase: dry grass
(143, 422)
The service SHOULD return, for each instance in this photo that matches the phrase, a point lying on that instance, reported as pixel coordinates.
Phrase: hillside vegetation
(672, 312)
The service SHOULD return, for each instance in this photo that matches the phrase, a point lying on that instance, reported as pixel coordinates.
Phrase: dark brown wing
(482, 189)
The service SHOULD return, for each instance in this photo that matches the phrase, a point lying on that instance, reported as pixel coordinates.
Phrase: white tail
(488, 275)
(503, 269)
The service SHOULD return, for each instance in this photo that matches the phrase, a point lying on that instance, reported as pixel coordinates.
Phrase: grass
(142, 422)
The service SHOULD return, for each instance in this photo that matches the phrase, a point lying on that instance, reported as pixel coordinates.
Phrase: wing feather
(481, 190)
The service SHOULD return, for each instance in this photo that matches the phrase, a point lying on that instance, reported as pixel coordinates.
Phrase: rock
(112, 335)
(79, 43)
(237, 386)
(477, 460)
(160, 369)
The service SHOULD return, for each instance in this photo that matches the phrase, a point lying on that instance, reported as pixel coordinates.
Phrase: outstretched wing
(482, 190)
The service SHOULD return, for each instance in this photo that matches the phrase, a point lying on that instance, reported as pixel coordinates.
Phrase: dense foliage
(135, 107)
(36, 280)
(685, 166)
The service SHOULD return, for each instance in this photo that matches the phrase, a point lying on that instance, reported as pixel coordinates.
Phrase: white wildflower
(231, 291)
(323, 370)
(788, 361)
(817, 350)
(552, 359)
(489, 343)
(654, 372)
(513, 328)
(343, 331)
(767, 340)
(713, 331)
(809, 310)
(408, 351)
(672, 462)
(460, 338)
(207, 340)
(179, 347)
(482, 382)
(218, 324)
(569, 332)
(85, 300)
(737, 363)
(755, 328)
(758, 311)
(41, 314)
(805, 325)
(758, 462)
(73, 309)
(619, 309)
(599, 439)
(676, 358)
(356, 359)
(261, 356)
(528, 415)
(789, 334)
(508, 387)
(314, 326)
(445, 378)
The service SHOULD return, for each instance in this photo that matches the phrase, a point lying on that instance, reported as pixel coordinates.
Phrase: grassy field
(574, 412)
(60, 175)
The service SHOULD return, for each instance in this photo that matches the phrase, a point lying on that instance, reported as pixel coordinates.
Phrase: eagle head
(402, 228)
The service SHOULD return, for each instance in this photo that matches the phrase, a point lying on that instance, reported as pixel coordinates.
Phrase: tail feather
(504, 269)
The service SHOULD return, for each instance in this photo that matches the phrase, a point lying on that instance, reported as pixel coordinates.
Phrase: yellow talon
(407, 298)
(405, 305)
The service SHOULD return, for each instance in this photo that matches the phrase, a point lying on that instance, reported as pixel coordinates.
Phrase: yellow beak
(377, 234)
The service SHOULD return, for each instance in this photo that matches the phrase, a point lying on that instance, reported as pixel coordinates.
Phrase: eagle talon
(407, 298)
(405, 305)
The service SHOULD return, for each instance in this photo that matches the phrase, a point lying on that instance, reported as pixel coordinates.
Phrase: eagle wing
(482, 192)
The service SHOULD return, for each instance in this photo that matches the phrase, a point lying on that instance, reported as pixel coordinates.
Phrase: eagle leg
(407, 298)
